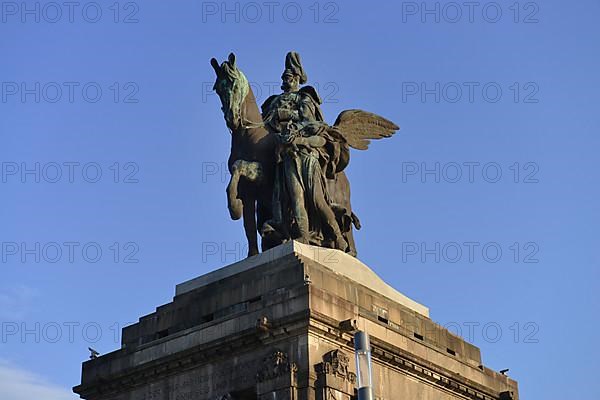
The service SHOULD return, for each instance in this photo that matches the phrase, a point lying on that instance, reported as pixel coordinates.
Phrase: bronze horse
(252, 161)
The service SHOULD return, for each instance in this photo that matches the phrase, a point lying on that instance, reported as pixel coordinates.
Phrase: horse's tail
(356, 221)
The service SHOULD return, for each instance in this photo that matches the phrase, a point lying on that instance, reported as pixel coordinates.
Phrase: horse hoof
(235, 209)
(252, 252)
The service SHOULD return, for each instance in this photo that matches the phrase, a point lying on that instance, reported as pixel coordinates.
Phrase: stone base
(279, 326)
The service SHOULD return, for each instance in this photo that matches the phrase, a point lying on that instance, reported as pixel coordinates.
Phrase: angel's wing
(358, 127)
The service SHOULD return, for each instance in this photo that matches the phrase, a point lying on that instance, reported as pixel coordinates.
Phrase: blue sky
(113, 148)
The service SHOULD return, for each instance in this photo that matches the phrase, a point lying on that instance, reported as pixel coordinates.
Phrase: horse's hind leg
(250, 225)
(263, 214)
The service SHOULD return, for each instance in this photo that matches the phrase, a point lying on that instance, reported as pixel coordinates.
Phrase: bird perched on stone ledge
(93, 353)
(263, 324)
(307, 280)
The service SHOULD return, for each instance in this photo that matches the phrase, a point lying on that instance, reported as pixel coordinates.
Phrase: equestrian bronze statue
(287, 164)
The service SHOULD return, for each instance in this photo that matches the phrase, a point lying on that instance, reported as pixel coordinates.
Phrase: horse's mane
(237, 91)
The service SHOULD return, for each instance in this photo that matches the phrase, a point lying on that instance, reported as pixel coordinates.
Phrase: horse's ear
(215, 65)
(232, 59)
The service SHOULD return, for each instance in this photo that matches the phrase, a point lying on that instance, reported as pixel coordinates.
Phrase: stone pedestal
(279, 326)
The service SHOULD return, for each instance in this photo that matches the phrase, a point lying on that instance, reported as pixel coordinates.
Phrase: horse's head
(232, 87)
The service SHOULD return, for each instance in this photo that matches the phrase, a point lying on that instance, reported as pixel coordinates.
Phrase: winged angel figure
(287, 164)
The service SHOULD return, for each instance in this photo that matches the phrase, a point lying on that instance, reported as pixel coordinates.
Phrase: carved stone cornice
(274, 366)
(186, 359)
(401, 360)
(277, 377)
(336, 363)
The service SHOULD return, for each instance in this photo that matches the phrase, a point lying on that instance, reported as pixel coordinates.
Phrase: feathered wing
(359, 127)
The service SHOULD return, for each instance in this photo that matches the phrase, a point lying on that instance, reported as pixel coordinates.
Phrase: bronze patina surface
(287, 164)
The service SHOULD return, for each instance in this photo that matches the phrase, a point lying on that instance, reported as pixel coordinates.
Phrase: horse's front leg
(233, 203)
(250, 225)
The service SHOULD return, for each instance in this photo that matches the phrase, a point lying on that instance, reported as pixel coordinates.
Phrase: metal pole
(362, 349)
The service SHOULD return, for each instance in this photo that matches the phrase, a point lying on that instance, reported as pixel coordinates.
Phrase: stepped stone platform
(279, 326)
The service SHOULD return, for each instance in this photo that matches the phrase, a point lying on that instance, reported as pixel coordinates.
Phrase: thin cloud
(16, 302)
(19, 384)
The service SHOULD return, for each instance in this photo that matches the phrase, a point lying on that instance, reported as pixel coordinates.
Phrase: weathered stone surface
(279, 326)
(341, 263)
